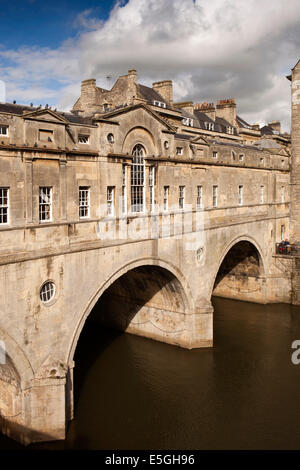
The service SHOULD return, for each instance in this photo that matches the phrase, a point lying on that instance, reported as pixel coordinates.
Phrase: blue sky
(45, 23)
(211, 50)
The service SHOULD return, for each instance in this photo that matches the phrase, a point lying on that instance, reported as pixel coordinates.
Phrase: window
(124, 191)
(215, 155)
(262, 160)
(230, 130)
(282, 232)
(137, 179)
(233, 154)
(160, 104)
(110, 200)
(181, 197)
(215, 196)
(262, 194)
(282, 194)
(110, 138)
(199, 197)
(209, 126)
(83, 139)
(45, 135)
(3, 130)
(4, 205)
(47, 291)
(179, 151)
(84, 202)
(151, 187)
(45, 204)
(187, 121)
(166, 144)
(241, 188)
(166, 198)
(241, 157)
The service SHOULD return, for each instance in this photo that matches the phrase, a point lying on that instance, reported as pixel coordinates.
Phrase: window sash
(199, 197)
(241, 188)
(110, 200)
(137, 179)
(181, 197)
(166, 198)
(45, 204)
(84, 202)
(4, 205)
(215, 196)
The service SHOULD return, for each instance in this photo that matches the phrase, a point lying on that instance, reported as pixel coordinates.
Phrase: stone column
(295, 168)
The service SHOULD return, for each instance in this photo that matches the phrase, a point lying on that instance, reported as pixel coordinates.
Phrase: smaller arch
(139, 135)
(235, 243)
(185, 290)
(18, 358)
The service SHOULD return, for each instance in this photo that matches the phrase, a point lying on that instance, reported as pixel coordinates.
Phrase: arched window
(137, 179)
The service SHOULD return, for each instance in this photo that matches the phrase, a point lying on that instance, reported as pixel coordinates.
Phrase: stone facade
(128, 200)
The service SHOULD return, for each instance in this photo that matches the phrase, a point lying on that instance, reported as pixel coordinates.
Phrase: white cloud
(211, 50)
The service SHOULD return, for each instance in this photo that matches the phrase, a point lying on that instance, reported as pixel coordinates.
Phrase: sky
(211, 49)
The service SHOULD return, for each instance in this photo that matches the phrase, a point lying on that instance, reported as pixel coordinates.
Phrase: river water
(244, 393)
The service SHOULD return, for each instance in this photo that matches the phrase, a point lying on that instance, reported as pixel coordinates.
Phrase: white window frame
(241, 190)
(4, 126)
(138, 180)
(181, 198)
(215, 154)
(166, 198)
(151, 188)
(110, 200)
(161, 104)
(282, 232)
(84, 201)
(124, 189)
(215, 196)
(45, 199)
(83, 139)
(199, 202)
(188, 122)
(4, 207)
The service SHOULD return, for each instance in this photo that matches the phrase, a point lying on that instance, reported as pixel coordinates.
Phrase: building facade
(138, 201)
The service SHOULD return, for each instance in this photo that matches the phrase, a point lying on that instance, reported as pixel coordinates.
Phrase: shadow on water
(135, 393)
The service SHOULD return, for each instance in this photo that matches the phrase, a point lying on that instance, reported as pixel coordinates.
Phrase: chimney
(207, 108)
(275, 126)
(226, 109)
(186, 106)
(165, 89)
(88, 94)
(132, 81)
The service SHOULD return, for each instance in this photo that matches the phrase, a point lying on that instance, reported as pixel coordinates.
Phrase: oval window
(47, 291)
(110, 138)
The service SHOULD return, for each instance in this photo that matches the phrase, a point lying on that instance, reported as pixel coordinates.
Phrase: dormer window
(83, 139)
(230, 130)
(4, 130)
(188, 122)
(161, 104)
(45, 135)
(209, 126)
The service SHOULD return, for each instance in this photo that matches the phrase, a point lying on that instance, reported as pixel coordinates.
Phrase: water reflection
(135, 393)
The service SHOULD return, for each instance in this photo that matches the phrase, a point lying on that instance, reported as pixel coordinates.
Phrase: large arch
(139, 135)
(176, 275)
(240, 272)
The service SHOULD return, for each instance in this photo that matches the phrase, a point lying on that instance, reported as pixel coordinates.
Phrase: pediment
(200, 140)
(45, 115)
(130, 109)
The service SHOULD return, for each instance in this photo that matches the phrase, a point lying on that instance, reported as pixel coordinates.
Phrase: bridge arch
(240, 271)
(156, 267)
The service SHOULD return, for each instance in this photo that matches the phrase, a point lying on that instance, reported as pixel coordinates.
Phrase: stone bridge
(156, 285)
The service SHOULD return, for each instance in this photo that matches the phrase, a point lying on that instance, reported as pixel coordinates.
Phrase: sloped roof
(242, 123)
(149, 94)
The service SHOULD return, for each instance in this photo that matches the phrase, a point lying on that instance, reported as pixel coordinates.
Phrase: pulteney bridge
(128, 216)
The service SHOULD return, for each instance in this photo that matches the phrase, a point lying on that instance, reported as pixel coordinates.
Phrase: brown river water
(135, 393)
